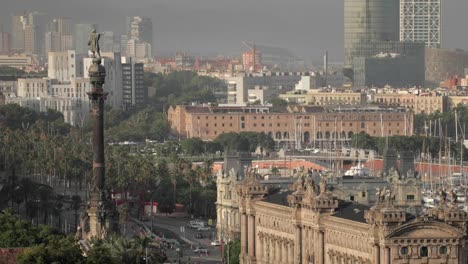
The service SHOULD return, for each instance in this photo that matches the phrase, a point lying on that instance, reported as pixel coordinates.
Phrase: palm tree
(76, 205)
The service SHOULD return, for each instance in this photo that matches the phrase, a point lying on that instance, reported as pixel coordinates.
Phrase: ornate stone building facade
(308, 225)
(227, 202)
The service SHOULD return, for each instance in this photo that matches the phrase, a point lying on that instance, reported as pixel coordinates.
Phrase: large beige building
(292, 124)
(427, 103)
(308, 225)
(325, 98)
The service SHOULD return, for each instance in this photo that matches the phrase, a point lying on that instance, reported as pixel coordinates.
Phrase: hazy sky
(306, 27)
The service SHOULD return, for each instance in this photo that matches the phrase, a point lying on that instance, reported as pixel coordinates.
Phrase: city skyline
(211, 27)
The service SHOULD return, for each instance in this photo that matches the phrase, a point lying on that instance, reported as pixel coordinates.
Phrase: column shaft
(251, 236)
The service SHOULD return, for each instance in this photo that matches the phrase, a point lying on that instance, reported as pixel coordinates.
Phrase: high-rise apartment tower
(420, 21)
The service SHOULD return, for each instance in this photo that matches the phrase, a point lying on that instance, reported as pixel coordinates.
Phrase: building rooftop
(352, 211)
(279, 197)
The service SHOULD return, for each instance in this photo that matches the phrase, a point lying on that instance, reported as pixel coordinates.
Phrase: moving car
(200, 250)
(215, 243)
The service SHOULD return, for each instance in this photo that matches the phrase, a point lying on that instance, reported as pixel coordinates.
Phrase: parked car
(205, 228)
(215, 243)
(200, 250)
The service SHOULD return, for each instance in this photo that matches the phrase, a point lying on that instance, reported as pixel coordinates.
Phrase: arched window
(319, 135)
(327, 135)
(350, 134)
(423, 252)
(286, 135)
(278, 135)
(306, 137)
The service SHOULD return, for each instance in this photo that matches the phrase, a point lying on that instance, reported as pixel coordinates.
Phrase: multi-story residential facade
(8, 88)
(427, 103)
(41, 94)
(33, 87)
(18, 61)
(238, 86)
(315, 97)
(65, 66)
(293, 124)
(134, 93)
(420, 21)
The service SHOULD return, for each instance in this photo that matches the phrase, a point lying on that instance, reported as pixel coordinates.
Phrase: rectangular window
(410, 197)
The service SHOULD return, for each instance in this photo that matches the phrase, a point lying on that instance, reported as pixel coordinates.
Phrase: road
(174, 224)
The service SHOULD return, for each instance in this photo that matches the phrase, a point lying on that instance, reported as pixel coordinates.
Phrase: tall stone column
(259, 248)
(387, 255)
(298, 247)
(251, 235)
(284, 251)
(291, 253)
(244, 234)
(100, 216)
(321, 243)
(376, 254)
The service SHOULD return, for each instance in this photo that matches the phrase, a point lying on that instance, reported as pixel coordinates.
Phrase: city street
(174, 225)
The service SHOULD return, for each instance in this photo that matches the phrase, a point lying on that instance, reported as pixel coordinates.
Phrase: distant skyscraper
(141, 29)
(123, 45)
(4, 42)
(64, 29)
(134, 92)
(18, 22)
(420, 21)
(52, 42)
(64, 26)
(107, 41)
(368, 21)
(30, 39)
(40, 22)
(81, 37)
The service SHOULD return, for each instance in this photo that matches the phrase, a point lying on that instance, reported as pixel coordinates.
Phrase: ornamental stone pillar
(243, 234)
(321, 251)
(376, 253)
(251, 235)
(291, 253)
(259, 249)
(298, 245)
(284, 251)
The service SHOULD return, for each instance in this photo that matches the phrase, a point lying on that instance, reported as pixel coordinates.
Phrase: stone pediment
(424, 229)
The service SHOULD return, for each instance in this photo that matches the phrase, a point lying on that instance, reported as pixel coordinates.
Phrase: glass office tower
(368, 21)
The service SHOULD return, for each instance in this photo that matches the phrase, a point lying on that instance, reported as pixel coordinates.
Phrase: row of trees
(45, 245)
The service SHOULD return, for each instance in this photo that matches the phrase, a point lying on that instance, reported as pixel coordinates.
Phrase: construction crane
(251, 45)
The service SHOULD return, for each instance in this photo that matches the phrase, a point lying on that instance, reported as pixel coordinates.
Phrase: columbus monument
(100, 216)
